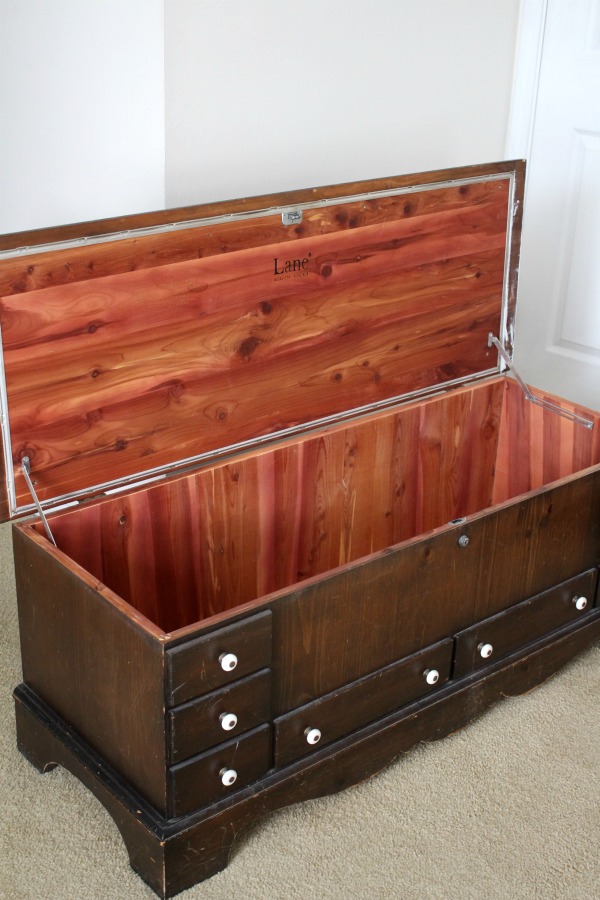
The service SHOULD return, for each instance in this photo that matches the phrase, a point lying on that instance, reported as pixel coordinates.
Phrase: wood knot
(174, 389)
(248, 346)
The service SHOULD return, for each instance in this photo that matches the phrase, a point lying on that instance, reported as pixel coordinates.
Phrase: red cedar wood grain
(237, 531)
(111, 377)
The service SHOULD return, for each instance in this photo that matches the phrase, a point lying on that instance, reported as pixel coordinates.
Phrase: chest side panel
(93, 666)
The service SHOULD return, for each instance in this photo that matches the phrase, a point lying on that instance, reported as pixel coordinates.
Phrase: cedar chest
(281, 510)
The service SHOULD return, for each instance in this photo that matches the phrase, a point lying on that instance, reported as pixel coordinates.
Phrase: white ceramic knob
(228, 777)
(485, 650)
(312, 735)
(228, 661)
(580, 603)
(228, 721)
(432, 676)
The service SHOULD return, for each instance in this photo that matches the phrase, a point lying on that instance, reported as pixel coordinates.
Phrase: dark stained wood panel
(524, 623)
(390, 605)
(115, 375)
(93, 663)
(355, 705)
(194, 668)
(197, 725)
(172, 857)
(198, 781)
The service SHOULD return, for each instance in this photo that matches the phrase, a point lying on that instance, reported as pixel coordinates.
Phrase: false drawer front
(219, 658)
(200, 724)
(213, 775)
(330, 717)
(505, 633)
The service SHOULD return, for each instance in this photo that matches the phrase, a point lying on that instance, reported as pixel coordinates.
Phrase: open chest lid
(138, 346)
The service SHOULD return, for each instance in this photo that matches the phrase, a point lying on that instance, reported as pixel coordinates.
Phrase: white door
(557, 344)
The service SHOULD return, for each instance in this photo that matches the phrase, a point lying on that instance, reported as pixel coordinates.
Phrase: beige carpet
(507, 808)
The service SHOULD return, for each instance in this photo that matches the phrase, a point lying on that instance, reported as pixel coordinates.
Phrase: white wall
(269, 95)
(557, 344)
(81, 110)
(260, 96)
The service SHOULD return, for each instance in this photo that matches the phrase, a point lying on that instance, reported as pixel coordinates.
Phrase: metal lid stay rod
(26, 468)
(546, 404)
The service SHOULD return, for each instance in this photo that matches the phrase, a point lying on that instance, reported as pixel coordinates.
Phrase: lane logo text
(291, 268)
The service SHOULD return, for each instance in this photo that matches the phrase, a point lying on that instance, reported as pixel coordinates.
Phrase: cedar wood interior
(186, 549)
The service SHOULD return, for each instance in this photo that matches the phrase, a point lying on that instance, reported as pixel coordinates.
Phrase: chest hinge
(26, 468)
(546, 404)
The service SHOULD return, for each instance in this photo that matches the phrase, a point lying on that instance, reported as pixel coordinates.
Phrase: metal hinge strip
(545, 404)
(26, 468)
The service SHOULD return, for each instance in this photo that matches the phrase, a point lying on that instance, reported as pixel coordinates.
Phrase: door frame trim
(526, 78)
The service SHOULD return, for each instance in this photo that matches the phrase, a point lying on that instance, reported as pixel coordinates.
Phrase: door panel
(558, 320)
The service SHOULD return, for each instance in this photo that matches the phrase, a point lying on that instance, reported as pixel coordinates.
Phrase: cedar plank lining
(235, 532)
(121, 368)
(76, 264)
(537, 446)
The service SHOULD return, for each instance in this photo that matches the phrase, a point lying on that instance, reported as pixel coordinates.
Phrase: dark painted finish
(198, 725)
(523, 623)
(352, 707)
(356, 620)
(171, 856)
(92, 663)
(199, 781)
(196, 667)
